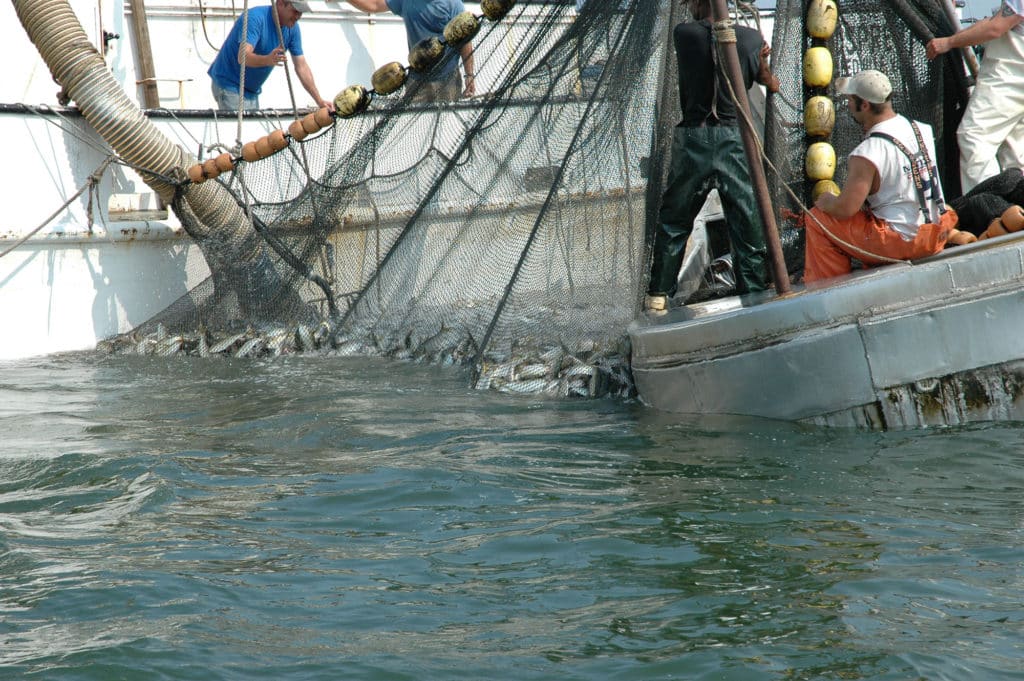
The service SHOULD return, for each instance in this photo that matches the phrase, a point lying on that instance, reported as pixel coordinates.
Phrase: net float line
(424, 56)
(819, 111)
(264, 147)
(355, 99)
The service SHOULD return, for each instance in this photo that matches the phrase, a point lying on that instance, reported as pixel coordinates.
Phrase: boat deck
(847, 352)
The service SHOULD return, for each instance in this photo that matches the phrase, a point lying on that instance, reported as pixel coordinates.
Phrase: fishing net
(887, 36)
(507, 233)
(510, 233)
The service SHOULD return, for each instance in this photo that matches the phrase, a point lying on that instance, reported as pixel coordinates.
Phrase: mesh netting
(887, 36)
(510, 233)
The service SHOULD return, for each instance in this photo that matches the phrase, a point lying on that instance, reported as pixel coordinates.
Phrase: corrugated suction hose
(210, 213)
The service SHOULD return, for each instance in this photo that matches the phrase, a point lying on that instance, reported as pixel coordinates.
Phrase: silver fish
(223, 345)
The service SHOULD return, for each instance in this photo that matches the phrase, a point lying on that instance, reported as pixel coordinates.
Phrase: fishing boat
(371, 237)
(96, 252)
(925, 343)
(89, 249)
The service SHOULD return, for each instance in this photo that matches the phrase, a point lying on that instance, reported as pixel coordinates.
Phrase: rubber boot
(669, 248)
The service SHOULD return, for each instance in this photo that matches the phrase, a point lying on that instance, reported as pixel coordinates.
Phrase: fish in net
(506, 233)
(511, 233)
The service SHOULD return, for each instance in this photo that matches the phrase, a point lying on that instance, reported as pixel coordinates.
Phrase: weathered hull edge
(852, 354)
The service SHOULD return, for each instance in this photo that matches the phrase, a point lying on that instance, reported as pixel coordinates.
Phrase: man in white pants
(991, 134)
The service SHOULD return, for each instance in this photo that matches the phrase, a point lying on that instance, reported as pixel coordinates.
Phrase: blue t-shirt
(427, 19)
(262, 35)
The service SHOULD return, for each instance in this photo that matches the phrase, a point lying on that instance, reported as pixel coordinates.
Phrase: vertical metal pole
(749, 136)
(144, 50)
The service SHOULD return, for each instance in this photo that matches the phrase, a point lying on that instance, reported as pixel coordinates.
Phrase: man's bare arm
(861, 180)
(977, 33)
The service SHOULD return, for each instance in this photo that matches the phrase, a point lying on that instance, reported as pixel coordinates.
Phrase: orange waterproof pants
(873, 242)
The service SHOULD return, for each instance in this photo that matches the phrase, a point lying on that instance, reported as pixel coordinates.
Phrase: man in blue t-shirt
(427, 19)
(263, 49)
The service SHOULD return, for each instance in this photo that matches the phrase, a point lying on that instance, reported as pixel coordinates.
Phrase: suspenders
(926, 178)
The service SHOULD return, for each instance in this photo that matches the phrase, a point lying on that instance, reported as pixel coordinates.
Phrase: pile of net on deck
(506, 233)
(888, 36)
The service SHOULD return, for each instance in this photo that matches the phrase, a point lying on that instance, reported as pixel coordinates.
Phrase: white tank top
(896, 200)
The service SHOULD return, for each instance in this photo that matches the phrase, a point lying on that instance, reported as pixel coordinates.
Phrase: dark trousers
(703, 158)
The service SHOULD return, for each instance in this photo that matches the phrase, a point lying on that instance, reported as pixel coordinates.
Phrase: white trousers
(991, 134)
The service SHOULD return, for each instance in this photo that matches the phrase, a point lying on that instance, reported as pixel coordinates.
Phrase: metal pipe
(210, 214)
(771, 232)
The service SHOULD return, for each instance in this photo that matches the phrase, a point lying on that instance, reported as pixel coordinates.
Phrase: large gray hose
(208, 211)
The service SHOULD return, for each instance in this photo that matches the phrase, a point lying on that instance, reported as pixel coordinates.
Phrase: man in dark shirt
(707, 152)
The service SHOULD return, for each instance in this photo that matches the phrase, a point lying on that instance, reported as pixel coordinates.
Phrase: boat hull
(932, 343)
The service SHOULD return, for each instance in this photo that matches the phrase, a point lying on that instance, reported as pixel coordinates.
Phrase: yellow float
(821, 18)
(461, 28)
(819, 116)
(820, 162)
(817, 67)
(822, 186)
(388, 78)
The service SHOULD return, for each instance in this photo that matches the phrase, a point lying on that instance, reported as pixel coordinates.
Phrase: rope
(287, 72)
(288, 79)
(90, 184)
(68, 129)
(760, 151)
(243, 54)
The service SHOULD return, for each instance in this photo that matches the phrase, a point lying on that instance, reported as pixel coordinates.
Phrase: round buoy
(309, 124)
(958, 237)
(822, 186)
(210, 169)
(225, 163)
(263, 147)
(461, 28)
(495, 10)
(821, 18)
(323, 117)
(995, 228)
(425, 54)
(817, 67)
(277, 141)
(351, 101)
(819, 116)
(195, 173)
(388, 78)
(296, 130)
(1012, 219)
(249, 152)
(820, 162)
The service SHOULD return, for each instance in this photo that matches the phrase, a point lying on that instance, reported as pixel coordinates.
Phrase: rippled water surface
(312, 518)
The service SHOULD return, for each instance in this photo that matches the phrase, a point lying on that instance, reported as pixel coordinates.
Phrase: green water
(314, 518)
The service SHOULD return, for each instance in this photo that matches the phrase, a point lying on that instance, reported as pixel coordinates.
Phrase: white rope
(242, 56)
(287, 72)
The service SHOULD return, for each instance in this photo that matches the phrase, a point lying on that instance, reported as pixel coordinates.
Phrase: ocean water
(317, 518)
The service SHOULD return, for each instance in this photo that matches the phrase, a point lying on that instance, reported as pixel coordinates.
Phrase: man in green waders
(707, 152)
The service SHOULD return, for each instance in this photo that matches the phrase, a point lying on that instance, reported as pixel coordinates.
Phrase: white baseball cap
(870, 85)
(301, 5)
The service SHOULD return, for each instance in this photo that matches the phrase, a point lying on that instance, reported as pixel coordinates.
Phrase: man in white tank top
(991, 133)
(891, 207)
